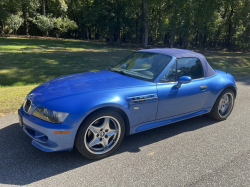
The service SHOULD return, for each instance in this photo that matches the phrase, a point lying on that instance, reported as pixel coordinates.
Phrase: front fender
(87, 102)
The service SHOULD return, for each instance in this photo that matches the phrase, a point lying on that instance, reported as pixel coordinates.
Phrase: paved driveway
(195, 152)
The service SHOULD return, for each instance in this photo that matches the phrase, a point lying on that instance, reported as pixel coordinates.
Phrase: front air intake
(27, 105)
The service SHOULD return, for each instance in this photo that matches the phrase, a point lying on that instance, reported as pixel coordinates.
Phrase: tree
(63, 25)
(14, 22)
(44, 23)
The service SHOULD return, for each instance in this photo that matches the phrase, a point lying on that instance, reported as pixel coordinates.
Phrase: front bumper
(42, 132)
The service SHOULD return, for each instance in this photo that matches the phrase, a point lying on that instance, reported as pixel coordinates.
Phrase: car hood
(82, 82)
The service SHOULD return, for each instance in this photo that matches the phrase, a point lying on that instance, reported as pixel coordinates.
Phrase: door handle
(203, 87)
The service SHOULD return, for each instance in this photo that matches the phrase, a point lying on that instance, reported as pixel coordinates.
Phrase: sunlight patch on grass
(13, 97)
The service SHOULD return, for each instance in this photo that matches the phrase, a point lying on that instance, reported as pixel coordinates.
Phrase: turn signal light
(61, 132)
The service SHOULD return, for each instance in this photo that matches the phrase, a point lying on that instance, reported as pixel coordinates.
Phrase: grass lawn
(26, 63)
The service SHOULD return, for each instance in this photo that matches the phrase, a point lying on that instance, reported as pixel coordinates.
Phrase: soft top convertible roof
(181, 53)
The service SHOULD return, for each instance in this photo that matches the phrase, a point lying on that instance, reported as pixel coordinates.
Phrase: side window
(170, 75)
(191, 67)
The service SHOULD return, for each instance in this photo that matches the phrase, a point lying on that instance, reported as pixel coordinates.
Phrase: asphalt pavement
(196, 152)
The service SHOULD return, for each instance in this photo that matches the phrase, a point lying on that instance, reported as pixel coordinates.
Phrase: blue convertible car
(150, 88)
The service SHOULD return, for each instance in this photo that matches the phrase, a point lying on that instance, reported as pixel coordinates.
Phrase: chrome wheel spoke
(112, 132)
(222, 109)
(105, 124)
(94, 141)
(94, 130)
(226, 100)
(105, 142)
(220, 106)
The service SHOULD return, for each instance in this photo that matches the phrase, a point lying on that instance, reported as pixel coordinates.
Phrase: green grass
(26, 63)
(34, 61)
(238, 63)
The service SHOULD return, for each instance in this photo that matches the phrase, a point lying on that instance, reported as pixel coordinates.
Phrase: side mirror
(123, 66)
(183, 80)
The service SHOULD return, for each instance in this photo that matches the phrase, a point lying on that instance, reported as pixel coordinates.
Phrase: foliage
(195, 23)
(14, 22)
(64, 24)
(44, 23)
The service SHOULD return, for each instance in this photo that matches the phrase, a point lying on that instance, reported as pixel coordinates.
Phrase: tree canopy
(170, 23)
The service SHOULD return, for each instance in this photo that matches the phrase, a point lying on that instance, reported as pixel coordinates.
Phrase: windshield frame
(139, 77)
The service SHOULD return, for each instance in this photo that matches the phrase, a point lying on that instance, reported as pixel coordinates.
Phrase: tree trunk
(118, 31)
(144, 24)
(88, 33)
(205, 40)
(44, 13)
(200, 40)
(196, 38)
(185, 40)
(26, 23)
(136, 32)
(82, 31)
(229, 36)
(43, 7)
(110, 35)
(172, 38)
(173, 28)
(219, 29)
(165, 39)
(1, 27)
(97, 33)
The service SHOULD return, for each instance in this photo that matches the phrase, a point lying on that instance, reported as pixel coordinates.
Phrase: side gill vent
(140, 99)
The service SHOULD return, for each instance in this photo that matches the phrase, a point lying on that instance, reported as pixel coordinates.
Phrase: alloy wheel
(225, 105)
(102, 135)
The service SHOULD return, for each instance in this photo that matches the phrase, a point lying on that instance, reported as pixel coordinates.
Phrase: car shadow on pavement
(21, 163)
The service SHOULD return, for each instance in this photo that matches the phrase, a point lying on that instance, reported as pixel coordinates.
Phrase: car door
(189, 97)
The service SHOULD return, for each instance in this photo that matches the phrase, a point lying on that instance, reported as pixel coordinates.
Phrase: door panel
(176, 101)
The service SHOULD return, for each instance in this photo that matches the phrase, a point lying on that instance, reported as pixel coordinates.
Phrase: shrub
(14, 22)
(64, 24)
(44, 23)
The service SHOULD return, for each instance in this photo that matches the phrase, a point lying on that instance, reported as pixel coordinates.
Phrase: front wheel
(223, 105)
(100, 134)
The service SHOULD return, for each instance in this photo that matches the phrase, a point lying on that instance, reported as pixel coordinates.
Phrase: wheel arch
(113, 108)
(231, 88)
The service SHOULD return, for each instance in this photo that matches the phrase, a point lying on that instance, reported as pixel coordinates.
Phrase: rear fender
(217, 84)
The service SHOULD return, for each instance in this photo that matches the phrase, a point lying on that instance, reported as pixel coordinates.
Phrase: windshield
(142, 65)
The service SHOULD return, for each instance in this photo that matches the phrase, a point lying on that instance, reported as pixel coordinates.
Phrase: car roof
(181, 53)
(178, 53)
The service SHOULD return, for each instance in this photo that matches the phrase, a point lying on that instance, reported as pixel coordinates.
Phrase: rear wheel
(223, 105)
(100, 134)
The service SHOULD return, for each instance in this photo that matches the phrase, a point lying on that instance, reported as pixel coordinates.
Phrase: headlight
(50, 115)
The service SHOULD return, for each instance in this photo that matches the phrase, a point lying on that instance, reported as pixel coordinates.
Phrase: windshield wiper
(110, 69)
(120, 72)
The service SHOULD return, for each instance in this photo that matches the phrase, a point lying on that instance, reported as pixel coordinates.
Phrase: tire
(100, 134)
(219, 105)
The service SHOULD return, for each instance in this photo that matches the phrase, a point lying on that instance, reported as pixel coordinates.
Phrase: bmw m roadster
(152, 87)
